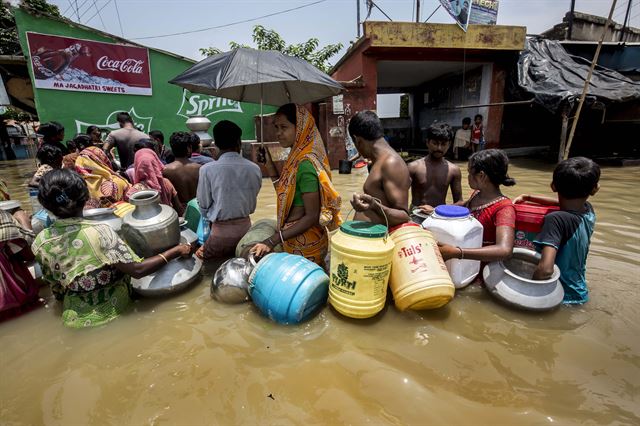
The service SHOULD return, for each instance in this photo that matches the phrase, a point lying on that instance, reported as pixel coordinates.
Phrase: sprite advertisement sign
(166, 109)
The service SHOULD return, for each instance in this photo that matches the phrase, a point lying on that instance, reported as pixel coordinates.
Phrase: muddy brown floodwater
(191, 360)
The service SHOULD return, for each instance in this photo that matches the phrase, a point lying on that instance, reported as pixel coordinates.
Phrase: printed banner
(484, 12)
(64, 63)
(459, 10)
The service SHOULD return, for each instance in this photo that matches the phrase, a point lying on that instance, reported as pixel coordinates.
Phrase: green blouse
(306, 181)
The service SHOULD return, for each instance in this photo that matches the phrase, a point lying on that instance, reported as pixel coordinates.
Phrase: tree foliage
(9, 43)
(265, 39)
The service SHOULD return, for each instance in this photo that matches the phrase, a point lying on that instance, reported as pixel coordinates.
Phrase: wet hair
(82, 141)
(167, 156)
(50, 155)
(288, 110)
(50, 130)
(144, 143)
(477, 116)
(91, 128)
(367, 125)
(440, 132)
(71, 145)
(195, 142)
(157, 134)
(576, 177)
(494, 163)
(124, 117)
(466, 120)
(180, 143)
(63, 192)
(228, 135)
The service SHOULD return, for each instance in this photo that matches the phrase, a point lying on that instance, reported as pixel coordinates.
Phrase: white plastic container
(454, 225)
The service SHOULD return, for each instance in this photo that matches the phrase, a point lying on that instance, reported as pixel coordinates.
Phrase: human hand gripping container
(361, 257)
(454, 225)
(419, 277)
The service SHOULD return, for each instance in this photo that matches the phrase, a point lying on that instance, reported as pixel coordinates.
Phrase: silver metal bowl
(230, 284)
(175, 276)
(510, 281)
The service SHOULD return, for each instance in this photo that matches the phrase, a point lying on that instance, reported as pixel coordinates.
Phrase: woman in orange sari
(308, 205)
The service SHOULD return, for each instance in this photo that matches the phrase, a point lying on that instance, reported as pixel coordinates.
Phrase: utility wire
(99, 15)
(378, 7)
(231, 23)
(119, 21)
(99, 10)
(86, 11)
(434, 11)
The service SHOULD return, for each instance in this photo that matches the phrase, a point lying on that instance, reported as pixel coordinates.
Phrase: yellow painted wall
(444, 36)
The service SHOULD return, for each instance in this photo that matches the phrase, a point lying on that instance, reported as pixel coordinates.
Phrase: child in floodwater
(487, 172)
(566, 234)
(86, 263)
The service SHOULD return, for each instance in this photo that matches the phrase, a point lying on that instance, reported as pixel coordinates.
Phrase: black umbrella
(258, 76)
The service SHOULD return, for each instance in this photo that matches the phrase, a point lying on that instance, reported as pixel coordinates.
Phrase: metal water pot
(104, 215)
(230, 284)
(151, 227)
(200, 125)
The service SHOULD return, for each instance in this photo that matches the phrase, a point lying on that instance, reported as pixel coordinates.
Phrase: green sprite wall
(166, 110)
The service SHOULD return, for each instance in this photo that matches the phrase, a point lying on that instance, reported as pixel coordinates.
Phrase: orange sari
(313, 243)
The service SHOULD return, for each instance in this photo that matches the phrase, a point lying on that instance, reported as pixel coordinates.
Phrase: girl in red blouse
(487, 171)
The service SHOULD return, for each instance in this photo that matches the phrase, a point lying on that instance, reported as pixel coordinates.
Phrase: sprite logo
(197, 104)
(341, 277)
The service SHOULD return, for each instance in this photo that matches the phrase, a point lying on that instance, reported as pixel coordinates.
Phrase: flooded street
(191, 360)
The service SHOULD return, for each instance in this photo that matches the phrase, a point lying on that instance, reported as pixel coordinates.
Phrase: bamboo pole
(587, 82)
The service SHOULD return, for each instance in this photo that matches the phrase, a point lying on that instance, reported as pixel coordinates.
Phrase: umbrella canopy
(258, 76)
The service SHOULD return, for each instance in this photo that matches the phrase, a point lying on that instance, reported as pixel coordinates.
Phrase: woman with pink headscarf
(148, 175)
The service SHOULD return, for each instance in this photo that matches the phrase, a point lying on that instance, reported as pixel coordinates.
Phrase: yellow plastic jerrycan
(361, 255)
(419, 276)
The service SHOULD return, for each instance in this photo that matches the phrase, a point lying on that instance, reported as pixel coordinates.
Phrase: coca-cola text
(132, 66)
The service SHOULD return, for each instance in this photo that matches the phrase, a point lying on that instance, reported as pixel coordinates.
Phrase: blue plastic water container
(287, 288)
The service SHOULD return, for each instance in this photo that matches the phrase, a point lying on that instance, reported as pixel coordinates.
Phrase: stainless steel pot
(230, 284)
(173, 277)
(151, 227)
(510, 281)
(104, 215)
(199, 125)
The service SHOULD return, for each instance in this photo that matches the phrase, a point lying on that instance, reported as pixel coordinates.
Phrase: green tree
(9, 43)
(265, 39)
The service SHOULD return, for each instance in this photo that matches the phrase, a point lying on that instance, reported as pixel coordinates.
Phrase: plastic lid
(452, 211)
(359, 228)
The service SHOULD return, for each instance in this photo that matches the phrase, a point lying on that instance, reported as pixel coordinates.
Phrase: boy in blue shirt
(566, 233)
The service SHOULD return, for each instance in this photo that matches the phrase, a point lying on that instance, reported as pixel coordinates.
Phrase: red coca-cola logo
(131, 66)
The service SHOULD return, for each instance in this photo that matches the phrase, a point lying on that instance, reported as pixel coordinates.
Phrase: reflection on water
(192, 360)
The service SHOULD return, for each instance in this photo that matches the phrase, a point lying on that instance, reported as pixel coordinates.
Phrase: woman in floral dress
(86, 263)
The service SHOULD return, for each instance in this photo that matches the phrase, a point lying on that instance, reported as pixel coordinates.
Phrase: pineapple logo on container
(340, 280)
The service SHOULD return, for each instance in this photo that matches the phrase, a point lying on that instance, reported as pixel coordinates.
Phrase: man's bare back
(183, 174)
(431, 179)
(389, 182)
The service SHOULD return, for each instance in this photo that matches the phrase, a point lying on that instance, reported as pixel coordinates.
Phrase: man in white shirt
(227, 193)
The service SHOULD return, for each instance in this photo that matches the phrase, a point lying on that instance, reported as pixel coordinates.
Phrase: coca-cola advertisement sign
(65, 63)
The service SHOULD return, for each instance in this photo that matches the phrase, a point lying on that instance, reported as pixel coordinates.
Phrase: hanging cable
(232, 23)
(99, 10)
(119, 21)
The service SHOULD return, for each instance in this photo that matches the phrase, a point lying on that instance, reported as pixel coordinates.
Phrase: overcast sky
(331, 21)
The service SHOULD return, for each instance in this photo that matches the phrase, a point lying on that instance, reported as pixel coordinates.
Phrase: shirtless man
(432, 175)
(388, 179)
(182, 173)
